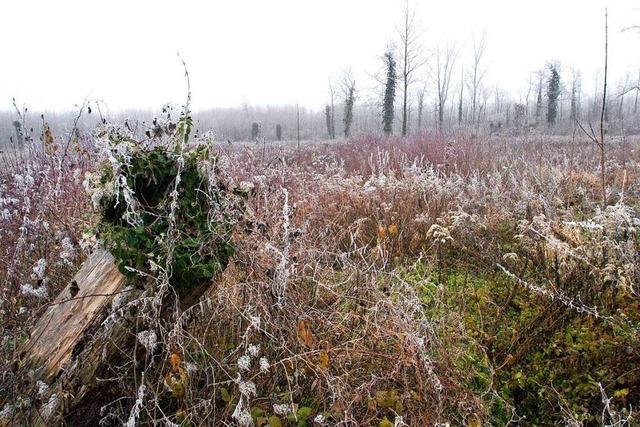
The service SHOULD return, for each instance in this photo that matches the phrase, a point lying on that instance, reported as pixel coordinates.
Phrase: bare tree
(484, 95)
(461, 96)
(623, 92)
(575, 94)
(594, 107)
(499, 96)
(599, 141)
(539, 97)
(635, 102)
(327, 116)
(603, 173)
(526, 102)
(332, 122)
(636, 86)
(421, 94)
(445, 61)
(410, 56)
(297, 125)
(477, 73)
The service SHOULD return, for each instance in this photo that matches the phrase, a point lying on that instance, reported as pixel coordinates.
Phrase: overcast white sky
(54, 53)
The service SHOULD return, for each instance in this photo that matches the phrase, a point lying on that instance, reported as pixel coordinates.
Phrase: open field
(320, 213)
(373, 281)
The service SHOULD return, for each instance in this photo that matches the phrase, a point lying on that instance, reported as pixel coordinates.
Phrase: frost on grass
(369, 281)
(29, 290)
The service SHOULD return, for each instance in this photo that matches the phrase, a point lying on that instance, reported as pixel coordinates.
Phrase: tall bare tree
(477, 73)
(526, 98)
(421, 94)
(575, 94)
(635, 102)
(332, 122)
(600, 144)
(410, 55)
(599, 140)
(594, 106)
(445, 61)
(539, 96)
(460, 99)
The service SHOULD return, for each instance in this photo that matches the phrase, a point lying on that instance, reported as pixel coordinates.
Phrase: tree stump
(70, 348)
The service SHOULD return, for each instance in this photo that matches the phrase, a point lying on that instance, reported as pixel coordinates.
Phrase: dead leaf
(305, 334)
(175, 362)
(324, 359)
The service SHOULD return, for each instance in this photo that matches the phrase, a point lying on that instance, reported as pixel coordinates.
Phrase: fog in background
(252, 60)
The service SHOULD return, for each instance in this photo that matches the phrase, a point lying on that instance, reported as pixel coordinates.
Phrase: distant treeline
(240, 123)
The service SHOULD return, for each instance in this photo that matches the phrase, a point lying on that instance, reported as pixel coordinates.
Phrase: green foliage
(327, 116)
(300, 416)
(389, 92)
(553, 93)
(538, 372)
(204, 215)
(389, 399)
(350, 98)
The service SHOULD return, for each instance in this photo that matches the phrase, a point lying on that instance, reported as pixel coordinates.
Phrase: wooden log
(69, 348)
(56, 351)
(63, 326)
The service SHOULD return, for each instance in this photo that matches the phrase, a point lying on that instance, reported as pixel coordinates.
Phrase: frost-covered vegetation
(432, 280)
(441, 236)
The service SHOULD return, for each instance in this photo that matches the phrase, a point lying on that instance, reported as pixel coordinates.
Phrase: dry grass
(353, 280)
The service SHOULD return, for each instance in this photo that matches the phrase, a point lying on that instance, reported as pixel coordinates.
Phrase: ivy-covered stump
(167, 214)
(165, 218)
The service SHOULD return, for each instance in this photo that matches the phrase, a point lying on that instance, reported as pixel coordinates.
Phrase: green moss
(558, 366)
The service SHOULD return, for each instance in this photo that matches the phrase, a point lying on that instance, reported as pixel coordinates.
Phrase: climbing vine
(133, 192)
